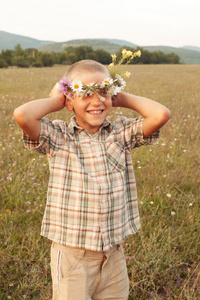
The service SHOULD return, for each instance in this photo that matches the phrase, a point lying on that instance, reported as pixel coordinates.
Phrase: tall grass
(163, 257)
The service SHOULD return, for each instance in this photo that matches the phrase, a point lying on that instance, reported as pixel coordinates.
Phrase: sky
(174, 23)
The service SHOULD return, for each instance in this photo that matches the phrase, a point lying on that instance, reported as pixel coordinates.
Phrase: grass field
(163, 258)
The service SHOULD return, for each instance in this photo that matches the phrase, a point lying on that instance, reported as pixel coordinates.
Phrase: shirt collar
(73, 125)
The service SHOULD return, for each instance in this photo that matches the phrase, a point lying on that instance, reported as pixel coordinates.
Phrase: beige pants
(80, 274)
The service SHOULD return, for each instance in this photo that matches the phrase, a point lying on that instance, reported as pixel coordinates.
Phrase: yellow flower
(126, 54)
(114, 56)
(127, 74)
(138, 53)
(7, 210)
(111, 65)
(129, 53)
(0, 215)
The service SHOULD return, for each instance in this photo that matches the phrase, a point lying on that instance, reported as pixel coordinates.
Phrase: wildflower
(28, 211)
(138, 53)
(190, 204)
(11, 284)
(28, 202)
(151, 202)
(173, 213)
(76, 86)
(114, 56)
(116, 90)
(120, 81)
(127, 74)
(7, 210)
(168, 195)
(106, 82)
(126, 54)
(63, 85)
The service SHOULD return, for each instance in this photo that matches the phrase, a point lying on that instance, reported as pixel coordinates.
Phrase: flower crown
(109, 86)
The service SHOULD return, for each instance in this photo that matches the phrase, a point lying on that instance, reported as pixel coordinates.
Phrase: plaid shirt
(92, 197)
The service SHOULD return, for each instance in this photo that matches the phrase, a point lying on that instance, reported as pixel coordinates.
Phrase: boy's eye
(102, 92)
(87, 94)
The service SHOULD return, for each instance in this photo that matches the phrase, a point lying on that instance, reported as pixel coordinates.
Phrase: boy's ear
(69, 102)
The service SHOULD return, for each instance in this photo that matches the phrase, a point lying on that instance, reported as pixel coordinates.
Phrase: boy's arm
(155, 114)
(28, 115)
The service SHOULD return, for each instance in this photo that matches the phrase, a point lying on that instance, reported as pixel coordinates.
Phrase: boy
(92, 202)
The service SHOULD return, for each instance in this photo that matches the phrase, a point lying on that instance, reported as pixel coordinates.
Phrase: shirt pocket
(116, 157)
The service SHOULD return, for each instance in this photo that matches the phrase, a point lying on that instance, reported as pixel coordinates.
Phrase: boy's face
(90, 111)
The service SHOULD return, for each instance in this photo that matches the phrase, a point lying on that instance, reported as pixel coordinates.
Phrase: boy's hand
(116, 100)
(56, 93)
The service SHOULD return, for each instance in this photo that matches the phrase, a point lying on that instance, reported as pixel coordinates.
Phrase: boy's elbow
(162, 118)
(165, 116)
(19, 117)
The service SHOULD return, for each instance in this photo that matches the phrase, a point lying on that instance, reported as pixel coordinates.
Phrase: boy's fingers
(57, 85)
(55, 89)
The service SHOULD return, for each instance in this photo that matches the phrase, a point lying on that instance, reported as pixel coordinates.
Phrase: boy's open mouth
(95, 112)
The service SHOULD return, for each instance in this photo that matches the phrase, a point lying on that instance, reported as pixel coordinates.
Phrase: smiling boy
(92, 200)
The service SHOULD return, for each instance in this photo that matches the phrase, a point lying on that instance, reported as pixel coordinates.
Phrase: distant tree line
(34, 58)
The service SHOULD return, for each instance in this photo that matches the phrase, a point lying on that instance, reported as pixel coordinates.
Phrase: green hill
(186, 55)
(194, 48)
(110, 45)
(10, 40)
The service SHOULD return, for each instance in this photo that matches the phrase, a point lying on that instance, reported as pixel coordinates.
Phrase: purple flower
(64, 85)
(28, 211)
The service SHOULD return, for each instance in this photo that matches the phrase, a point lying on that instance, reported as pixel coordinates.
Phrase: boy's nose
(95, 100)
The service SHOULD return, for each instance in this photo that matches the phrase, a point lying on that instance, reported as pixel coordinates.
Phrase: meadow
(163, 258)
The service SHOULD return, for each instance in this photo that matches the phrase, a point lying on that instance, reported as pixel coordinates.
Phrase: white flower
(190, 204)
(120, 81)
(168, 195)
(116, 90)
(76, 86)
(173, 213)
(106, 82)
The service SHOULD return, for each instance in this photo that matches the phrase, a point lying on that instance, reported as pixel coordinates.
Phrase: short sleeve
(50, 140)
(133, 134)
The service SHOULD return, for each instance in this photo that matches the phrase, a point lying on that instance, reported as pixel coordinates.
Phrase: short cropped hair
(86, 65)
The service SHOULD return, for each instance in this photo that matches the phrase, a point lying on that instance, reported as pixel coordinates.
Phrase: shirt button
(97, 154)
